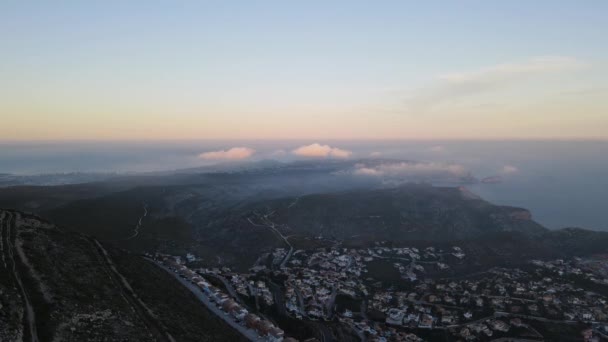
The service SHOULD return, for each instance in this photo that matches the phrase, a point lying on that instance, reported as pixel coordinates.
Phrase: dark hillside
(57, 285)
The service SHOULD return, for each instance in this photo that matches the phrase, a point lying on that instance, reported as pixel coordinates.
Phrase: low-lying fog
(563, 183)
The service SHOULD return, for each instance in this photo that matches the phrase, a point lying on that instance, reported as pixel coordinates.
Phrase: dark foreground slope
(62, 286)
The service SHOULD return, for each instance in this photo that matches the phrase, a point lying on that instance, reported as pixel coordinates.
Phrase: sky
(145, 70)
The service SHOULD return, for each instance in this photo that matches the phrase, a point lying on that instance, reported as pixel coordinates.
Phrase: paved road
(248, 333)
(300, 301)
(227, 285)
(331, 303)
(254, 293)
(511, 339)
(364, 309)
(294, 202)
(542, 319)
(288, 256)
(272, 226)
(285, 238)
(326, 335)
(279, 298)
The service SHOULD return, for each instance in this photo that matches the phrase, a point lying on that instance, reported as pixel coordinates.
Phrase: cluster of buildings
(314, 280)
(593, 269)
(487, 306)
(410, 309)
(410, 261)
(496, 303)
(492, 304)
(264, 328)
(278, 255)
(244, 284)
(260, 289)
(487, 328)
(427, 255)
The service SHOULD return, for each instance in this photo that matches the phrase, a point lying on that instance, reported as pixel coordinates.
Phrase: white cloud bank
(278, 153)
(437, 149)
(235, 153)
(509, 170)
(411, 169)
(321, 151)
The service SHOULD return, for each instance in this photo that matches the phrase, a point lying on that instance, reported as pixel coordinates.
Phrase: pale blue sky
(309, 69)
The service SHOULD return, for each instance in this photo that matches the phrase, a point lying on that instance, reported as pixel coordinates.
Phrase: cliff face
(56, 285)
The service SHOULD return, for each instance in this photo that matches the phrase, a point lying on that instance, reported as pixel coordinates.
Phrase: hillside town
(347, 286)
(262, 329)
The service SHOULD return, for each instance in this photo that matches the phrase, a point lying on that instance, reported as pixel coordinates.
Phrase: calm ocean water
(563, 183)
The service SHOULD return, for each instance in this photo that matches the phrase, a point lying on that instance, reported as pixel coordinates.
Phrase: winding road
(294, 202)
(138, 225)
(227, 285)
(272, 226)
(300, 301)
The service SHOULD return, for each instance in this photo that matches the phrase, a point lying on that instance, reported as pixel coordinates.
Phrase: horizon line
(499, 139)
